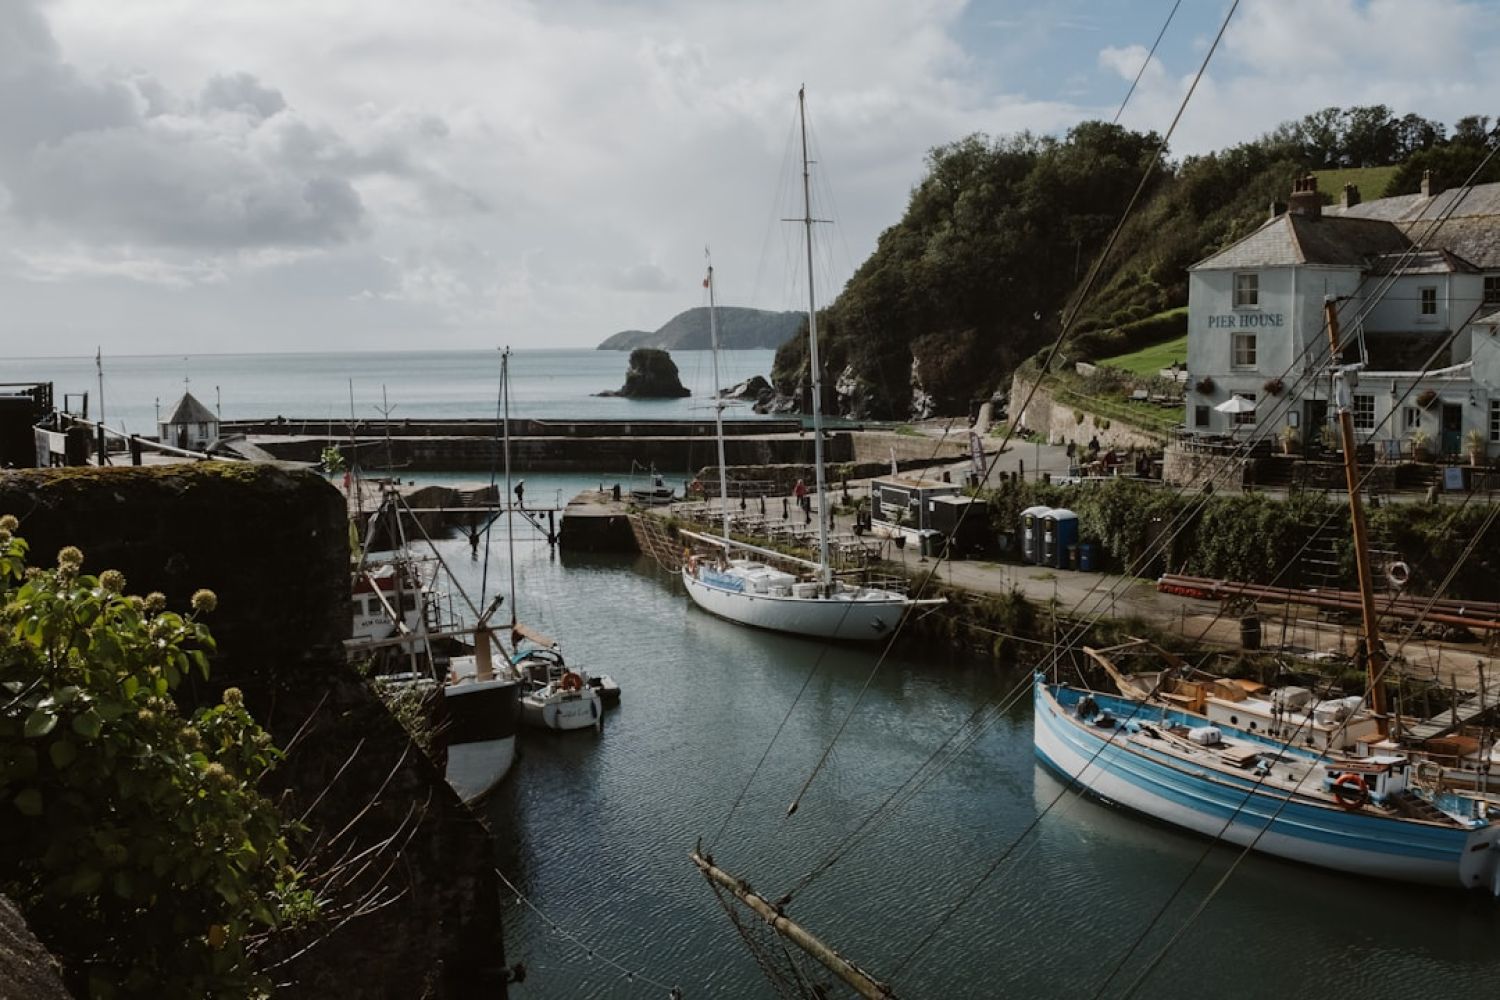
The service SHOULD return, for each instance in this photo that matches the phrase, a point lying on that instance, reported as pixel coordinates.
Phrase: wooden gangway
(1456, 717)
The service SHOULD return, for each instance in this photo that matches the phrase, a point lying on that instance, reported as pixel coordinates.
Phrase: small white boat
(557, 696)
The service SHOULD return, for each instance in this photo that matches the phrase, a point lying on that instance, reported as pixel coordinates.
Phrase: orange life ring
(1354, 784)
(571, 681)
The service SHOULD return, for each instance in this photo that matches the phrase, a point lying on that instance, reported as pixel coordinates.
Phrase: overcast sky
(248, 175)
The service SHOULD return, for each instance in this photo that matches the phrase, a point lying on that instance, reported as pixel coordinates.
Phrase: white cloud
(378, 173)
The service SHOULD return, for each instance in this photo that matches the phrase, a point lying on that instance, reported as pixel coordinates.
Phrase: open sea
(987, 880)
(320, 387)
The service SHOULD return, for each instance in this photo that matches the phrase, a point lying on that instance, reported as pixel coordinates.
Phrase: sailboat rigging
(753, 592)
(1285, 788)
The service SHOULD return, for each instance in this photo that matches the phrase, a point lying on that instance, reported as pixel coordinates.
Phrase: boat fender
(1351, 791)
(1398, 573)
(571, 681)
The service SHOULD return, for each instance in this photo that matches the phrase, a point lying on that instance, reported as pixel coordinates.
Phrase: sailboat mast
(812, 336)
(1374, 651)
(510, 516)
(713, 339)
(99, 367)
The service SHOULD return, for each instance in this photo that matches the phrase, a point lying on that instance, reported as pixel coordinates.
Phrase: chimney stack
(1305, 201)
(1351, 195)
(1429, 186)
(1277, 208)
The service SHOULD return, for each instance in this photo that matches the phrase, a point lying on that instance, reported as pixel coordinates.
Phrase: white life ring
(1398, 573)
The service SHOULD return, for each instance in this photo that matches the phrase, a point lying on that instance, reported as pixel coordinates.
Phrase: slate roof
(190, 411)
(1472, 231)
(1422, 262)
(1292, 239)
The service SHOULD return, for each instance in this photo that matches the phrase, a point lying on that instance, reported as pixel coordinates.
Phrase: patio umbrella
(1236, 404)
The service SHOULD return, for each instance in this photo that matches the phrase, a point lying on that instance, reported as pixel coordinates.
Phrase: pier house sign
(1246, 321)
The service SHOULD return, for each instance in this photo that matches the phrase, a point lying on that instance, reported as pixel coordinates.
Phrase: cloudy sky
(194, 176)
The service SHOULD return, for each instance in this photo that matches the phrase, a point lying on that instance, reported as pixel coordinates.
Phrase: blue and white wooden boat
(1354, 815)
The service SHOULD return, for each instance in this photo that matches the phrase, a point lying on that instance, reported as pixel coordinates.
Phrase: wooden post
(1374, 650)
(857, 979)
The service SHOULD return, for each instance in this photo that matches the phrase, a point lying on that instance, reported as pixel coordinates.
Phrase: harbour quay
(573, 446)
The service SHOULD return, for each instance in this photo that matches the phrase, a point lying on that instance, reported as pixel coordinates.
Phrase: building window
(1492, 290)
(1494, 420)
(1429, 301)
(1244, 350)
(1200, 415)
(1364, 412)
(1246, 419)
(1411, 418)
(1246, 291)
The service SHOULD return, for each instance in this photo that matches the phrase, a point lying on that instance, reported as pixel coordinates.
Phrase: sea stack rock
(652, 375)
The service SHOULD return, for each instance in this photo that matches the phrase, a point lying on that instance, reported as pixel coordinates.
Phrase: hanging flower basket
(1426, 398)
(1204, 386)
(1273, 386)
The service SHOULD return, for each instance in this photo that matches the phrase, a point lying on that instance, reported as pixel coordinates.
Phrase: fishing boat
(1276, 774)
(729, 580)
(401, 627)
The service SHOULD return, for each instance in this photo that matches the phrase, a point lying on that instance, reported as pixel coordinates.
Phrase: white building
(1418, 283)
(191, 425)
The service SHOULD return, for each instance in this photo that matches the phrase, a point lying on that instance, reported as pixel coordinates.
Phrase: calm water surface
(544, 384)
(596, 830)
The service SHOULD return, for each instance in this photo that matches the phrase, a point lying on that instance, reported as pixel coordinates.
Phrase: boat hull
(562, 713)
(481, 722)
(1103, 764)
(839, 617)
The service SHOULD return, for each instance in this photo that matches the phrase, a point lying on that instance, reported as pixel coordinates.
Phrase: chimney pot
(1351, 195)
(1277, 208)
(1305, 201)
(1429, 186)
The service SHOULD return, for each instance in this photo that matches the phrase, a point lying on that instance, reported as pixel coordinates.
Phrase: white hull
(863, 614)
(1104, 764)
(562, 712)
(474, 769)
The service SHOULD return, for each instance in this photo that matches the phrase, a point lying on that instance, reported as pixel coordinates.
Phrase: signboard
(1453, 477)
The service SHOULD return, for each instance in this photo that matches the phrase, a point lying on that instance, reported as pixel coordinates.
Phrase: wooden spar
(725, 543)
(1127, 687)
(858, 980)
(1374, 651)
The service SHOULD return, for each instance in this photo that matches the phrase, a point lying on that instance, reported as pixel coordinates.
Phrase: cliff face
(274, 547)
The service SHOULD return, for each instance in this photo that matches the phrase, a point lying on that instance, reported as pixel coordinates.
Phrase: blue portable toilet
(1031, 533)
(1059, 530)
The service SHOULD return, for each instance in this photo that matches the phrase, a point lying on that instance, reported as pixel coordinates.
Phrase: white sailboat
(732, 583)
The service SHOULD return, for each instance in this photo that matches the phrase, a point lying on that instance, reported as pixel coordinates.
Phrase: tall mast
(510, 516)
(713, 339)
(1374, 651)
(812, 335)
(99, 367)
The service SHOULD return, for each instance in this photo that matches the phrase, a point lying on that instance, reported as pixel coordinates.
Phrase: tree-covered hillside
(739, 329)
(998, 239)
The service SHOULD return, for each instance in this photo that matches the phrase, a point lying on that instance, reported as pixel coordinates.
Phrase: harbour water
(595, 831)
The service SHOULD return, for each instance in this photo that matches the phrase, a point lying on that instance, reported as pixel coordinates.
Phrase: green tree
(133, 838)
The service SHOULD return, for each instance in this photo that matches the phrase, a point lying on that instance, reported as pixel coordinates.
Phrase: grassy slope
(1371, 181)
(1150, 360)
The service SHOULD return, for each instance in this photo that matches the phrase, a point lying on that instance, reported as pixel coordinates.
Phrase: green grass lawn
(1371, 181)
(1150, 360)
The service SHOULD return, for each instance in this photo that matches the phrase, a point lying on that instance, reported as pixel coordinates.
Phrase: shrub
(134, 839)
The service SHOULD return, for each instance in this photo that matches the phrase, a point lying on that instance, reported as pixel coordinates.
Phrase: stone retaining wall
(1059, 424)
